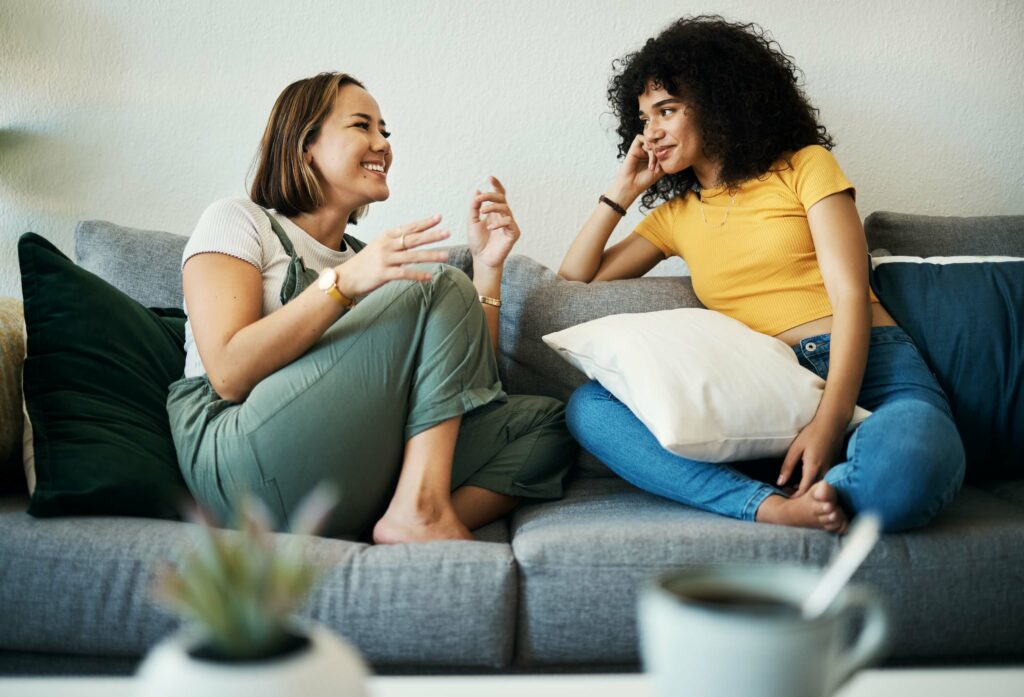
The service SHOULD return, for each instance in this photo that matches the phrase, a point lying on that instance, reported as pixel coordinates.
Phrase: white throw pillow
(707, 386)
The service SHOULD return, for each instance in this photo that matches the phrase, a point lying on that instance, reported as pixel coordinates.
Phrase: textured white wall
(143, 113)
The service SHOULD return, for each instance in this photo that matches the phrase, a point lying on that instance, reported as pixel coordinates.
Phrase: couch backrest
(933, 236)
(146, 264)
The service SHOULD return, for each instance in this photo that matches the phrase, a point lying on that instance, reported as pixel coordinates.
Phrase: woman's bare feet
(818, 508)
(422, 523)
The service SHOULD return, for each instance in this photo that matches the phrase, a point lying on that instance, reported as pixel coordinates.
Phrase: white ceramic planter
(327, 666)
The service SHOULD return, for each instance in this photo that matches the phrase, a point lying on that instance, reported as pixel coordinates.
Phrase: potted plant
(238, 592)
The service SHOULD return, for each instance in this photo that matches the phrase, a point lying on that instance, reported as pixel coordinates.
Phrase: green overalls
(407, 357)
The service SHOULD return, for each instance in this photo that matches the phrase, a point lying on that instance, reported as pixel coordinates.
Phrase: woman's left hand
(816, 446)
(492, 229)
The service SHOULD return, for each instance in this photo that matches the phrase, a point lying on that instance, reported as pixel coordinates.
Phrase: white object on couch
(707, 386)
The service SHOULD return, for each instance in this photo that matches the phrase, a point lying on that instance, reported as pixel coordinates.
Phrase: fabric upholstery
(939, 236)
(951, 589)
(966, 316)
(84, 585)
(12, 356)
(95, 380)
(145, 265)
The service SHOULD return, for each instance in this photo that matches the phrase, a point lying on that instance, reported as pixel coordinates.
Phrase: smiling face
(670, 127)
(351, 154)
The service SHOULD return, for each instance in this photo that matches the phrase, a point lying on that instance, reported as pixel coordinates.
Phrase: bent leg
(612, 433)
(905, 462)
(408, 357)
(508, 451)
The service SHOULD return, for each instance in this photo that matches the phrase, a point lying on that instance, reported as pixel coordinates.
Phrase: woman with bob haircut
(312, 356)
(718, 139)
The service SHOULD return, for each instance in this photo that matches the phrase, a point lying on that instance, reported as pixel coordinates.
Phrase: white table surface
(988, 682)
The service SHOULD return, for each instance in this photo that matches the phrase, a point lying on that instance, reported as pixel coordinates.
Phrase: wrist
(342, 282)
(487, 281)
(833, 417)
(622, 194)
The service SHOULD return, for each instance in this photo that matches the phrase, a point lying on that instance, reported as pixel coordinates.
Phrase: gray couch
(552, 587)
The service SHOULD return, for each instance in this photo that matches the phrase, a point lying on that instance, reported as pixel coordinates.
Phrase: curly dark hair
(745, 92)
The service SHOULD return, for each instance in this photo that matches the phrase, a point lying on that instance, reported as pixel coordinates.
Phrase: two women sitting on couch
(312, 356)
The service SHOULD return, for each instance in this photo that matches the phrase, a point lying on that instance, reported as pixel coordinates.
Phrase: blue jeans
(905, 461)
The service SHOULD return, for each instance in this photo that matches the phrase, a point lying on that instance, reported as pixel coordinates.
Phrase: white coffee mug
(737, 631)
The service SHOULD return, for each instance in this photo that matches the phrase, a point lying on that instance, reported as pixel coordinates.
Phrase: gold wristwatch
(328, 283)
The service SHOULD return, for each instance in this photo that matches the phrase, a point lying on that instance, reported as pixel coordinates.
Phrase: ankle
(768, 511)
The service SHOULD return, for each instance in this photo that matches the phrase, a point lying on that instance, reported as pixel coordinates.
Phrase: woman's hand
(385, 259)
(492, 230)
(639, 171)
(817, 446)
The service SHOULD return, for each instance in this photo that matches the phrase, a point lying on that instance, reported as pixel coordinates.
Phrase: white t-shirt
(240, 228)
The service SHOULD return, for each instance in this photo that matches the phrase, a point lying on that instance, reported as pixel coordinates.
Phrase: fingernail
(780, 480)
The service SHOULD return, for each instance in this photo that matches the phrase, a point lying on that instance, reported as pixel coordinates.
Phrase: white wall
(143, 113)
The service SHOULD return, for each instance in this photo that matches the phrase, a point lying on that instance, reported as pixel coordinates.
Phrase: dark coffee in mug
(733, 600)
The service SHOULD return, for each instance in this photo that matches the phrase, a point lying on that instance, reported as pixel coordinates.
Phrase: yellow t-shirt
(760, 266)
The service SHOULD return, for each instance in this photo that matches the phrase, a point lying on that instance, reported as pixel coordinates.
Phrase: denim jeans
(905, 461)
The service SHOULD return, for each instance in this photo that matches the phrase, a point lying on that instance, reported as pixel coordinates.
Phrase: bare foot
(422, 524)
(818, 508)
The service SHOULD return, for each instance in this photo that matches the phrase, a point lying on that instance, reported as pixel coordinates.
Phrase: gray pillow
(935, 236)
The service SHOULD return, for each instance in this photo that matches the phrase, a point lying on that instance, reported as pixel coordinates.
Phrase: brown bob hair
(284, 181)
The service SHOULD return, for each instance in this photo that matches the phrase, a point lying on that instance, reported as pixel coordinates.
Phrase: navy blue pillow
(967, 318)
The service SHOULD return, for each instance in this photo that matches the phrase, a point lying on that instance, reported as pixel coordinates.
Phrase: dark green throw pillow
(96, 378)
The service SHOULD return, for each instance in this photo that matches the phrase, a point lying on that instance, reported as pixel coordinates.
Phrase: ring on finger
(403, 242)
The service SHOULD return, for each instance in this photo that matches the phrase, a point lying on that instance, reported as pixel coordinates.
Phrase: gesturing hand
(492, 230)
(816, 447)
(385, 258)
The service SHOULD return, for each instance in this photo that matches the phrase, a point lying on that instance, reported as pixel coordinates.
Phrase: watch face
(327, 279)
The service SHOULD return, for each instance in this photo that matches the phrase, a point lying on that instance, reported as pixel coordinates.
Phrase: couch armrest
(12, 358)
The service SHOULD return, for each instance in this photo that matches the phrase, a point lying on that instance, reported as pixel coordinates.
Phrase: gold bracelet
(494, 302)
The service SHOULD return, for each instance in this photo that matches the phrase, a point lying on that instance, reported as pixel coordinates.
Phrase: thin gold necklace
(728, 210)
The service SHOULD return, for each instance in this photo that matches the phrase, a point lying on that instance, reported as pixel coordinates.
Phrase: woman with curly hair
(714, 126)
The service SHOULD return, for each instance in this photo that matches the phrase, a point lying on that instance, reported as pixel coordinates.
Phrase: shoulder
(235, 211)
(234, 226)
(812, 173)
(813, 157)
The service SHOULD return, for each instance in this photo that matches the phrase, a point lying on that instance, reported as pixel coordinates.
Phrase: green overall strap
(298, 277)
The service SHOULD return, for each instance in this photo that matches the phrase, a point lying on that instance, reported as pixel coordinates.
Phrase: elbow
(569, 275)
(227, 386)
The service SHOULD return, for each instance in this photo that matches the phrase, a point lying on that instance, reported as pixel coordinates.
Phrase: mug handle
(871, 641)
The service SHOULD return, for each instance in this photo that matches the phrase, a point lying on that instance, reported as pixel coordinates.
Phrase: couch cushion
(84, 585)
(667, 368)
(936, 236)
(96, 378)
(953, 589)
(966, 315)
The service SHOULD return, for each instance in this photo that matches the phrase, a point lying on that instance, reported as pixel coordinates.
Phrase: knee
(912, 465)
(446, 276)
(582, 413)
